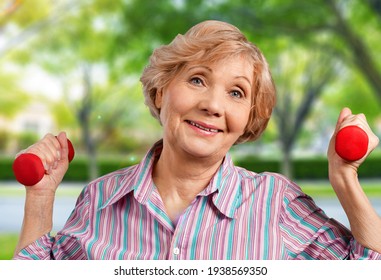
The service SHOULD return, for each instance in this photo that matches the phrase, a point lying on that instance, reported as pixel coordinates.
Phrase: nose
(212, 102)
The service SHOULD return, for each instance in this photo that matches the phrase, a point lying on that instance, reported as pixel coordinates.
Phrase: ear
(159, 98)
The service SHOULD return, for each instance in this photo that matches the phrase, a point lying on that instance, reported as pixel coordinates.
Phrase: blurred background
(75, 66)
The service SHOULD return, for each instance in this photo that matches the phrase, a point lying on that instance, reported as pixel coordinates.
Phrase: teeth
(203, 128)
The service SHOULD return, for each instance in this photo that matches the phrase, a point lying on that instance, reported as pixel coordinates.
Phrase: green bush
(109, 165)
(78, 168)
(312, 168)
(371, 168)
(6, 172)
(316, 168)
(4, 139)
(259, 165)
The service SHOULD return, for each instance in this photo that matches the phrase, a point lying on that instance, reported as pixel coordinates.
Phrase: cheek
(177, 103)
(238, 120)
(172, 108)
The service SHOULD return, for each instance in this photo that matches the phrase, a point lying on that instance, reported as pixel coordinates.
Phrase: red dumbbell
(351, 143)
(29, 170)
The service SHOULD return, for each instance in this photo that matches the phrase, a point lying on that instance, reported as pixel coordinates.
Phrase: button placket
(179, 235)
(176, 251)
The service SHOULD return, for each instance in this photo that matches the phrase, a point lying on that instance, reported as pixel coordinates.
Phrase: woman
(210, 89)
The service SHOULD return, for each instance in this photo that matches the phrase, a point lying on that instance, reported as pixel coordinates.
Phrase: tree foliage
(321, 52)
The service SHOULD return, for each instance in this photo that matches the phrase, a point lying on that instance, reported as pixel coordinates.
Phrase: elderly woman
(210, 89)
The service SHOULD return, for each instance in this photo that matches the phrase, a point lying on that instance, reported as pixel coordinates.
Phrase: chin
(203, 149)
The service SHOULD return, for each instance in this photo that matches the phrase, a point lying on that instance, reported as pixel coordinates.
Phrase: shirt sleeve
(67, 243)
(309, 234)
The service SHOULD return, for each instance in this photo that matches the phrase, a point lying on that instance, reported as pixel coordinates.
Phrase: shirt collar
(224, 186)
(227, 184)
(137, 178)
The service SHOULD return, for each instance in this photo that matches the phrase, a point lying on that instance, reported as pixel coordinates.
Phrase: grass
(372, 188)
(7, 245)
(8, 241)
(14, 190)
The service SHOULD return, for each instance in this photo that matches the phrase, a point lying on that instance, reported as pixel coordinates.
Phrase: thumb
(345, 112)
(62, 139)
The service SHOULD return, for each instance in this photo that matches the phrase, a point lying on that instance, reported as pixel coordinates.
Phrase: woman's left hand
(365, 223)
(346, 118)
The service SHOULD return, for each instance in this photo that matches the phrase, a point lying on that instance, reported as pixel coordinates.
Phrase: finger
(64, 149)
(357, 120)
(47, 150)
(344, 114)
(51, 149)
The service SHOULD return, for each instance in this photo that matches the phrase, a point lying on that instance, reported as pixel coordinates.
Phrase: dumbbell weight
(29, 170)
(351, 143)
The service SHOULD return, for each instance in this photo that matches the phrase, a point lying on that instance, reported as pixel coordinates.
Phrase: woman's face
(205, 108)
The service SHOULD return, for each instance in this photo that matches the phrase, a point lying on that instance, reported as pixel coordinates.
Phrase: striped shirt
(239, 215)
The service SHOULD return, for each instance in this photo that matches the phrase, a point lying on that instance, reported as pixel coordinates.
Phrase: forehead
(235, 66)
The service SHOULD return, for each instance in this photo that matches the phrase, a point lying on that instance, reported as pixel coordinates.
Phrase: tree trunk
(286, 164)
(290, 122)
(283, 113)
(84, 119)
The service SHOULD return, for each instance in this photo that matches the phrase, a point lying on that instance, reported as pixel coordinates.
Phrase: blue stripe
(158, 211)
(97, 220)
(157, 240)
(142, 231)
(249, 225)
(125, 238)
(230, 242)
(268, 217)
(197, 228)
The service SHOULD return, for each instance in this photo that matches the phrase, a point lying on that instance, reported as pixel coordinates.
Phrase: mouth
(204, 127)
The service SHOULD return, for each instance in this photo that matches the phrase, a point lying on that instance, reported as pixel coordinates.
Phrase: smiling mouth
(214, 130)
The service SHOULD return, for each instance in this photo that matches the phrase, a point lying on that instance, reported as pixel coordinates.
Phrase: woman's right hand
(53, 152)
(38, 211)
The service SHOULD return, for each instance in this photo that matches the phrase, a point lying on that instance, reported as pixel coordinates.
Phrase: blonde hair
(212, 41)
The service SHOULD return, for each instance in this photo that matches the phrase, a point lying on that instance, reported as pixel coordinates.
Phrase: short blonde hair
(212, 41)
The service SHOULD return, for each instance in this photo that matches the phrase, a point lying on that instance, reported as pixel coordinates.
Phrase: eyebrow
(243, 77)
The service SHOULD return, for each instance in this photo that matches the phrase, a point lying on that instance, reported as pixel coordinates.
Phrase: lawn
(372, 188)
(11, 189)
(8, 241)
(7, 245)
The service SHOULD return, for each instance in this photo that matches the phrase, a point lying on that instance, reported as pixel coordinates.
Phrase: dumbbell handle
(351, 143)
(29, 170)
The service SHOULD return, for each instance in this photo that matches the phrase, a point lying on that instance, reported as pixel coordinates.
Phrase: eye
(236, 94)
(196, 81)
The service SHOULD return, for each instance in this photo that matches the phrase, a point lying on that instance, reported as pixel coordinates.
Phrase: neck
(180, 178)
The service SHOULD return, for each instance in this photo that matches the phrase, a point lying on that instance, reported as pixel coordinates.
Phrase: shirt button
(176, 251)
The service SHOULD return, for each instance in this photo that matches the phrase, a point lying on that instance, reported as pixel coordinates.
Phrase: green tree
(12, 97)
(77, 49)
(301, 76)
(118, 37)
(19, 14)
